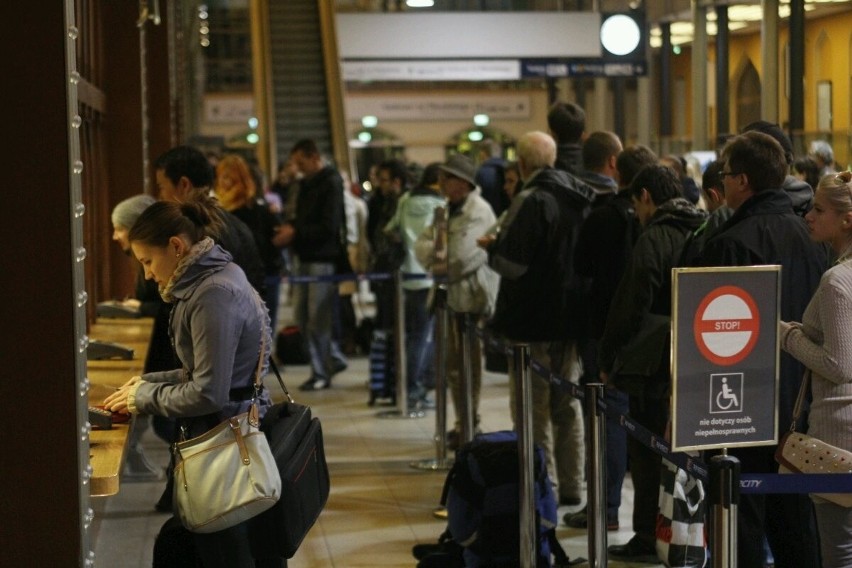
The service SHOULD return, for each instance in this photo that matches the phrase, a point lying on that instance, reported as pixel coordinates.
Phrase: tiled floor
(379, 505)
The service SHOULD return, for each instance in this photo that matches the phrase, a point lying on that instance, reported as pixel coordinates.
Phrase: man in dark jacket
(317, 239)
(537, 302)
(603, 248)
(642, 302)
(765, 230)
(183, 172)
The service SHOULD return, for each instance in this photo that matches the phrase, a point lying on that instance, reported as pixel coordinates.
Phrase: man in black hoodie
(538, 300)
(642, 303)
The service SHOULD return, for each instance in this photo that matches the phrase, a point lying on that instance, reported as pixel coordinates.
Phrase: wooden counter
(107, 447)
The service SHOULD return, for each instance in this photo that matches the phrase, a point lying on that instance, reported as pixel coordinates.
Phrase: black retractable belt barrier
(724, 498)
(466, 329)
(441, 330)
(596, 486)
(526, 488)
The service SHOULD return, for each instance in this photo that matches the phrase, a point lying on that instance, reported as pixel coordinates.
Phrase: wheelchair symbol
(723, 392)
(726, 397)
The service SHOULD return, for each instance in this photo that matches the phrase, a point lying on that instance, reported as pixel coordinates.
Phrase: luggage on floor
(291, 347)
(295, 438)
(174, 547)
(382, 367)
(481, 494)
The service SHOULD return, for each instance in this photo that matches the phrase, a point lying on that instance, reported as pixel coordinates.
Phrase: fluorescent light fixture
(474, 136)
(369, 121)
(365, 136)
(481, 119)
(419, 3)
(252, 122)
(253, 138)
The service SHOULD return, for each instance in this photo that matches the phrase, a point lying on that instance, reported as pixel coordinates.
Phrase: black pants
(652, 413)
(230, 549)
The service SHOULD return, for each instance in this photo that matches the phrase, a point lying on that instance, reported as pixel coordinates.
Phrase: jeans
(419, 345)
(315, 313)
(617, 402)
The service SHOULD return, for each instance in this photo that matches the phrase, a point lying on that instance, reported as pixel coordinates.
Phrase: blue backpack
(481, 496)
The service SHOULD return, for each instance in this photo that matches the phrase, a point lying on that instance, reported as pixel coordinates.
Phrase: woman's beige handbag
(227, 475)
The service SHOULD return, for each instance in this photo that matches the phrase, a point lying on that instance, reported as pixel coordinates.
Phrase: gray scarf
(197, 250)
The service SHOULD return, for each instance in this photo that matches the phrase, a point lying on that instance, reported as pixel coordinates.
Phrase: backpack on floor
(481, 494)
(382, 367)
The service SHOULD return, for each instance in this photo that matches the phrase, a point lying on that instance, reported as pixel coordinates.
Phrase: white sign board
(440, 107)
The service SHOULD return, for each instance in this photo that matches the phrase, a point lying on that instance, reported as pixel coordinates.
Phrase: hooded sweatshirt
(534, 256)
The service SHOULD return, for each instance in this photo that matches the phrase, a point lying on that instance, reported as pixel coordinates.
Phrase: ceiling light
(419, 3)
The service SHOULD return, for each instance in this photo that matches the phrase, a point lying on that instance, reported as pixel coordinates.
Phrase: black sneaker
(634, 551)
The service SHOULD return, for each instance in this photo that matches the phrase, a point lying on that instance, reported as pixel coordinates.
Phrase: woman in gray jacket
(218, 324)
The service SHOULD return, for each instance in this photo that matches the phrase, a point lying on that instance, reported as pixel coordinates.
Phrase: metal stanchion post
(724, 499)
(596, 488)
(441, 330)
(465, 322)
(402, 409)
(526, 488)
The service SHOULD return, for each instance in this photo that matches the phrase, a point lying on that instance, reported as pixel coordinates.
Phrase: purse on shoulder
(296, 441)
(801, 453)
(228, 474)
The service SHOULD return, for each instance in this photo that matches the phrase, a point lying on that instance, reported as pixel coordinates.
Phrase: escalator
(304, 79)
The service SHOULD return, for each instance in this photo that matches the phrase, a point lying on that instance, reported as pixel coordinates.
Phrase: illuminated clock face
(620, 34)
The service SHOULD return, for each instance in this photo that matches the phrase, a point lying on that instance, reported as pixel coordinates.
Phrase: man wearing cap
(471, 284)
(538, 301)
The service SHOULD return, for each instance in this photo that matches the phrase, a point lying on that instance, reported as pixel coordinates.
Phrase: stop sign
(726, 325)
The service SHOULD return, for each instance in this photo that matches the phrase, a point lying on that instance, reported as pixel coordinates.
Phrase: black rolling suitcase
(382, 368)
(295, 438)
(291, 347)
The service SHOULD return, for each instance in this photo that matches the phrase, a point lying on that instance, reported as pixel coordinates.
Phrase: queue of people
(577, 265)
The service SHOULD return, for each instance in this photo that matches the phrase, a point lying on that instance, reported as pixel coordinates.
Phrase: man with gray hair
(538, 301)
(823, 154)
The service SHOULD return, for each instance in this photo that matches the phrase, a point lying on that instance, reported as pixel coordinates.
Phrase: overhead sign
(533, 68)
(423, 70)
(725, 357)
(439, 107)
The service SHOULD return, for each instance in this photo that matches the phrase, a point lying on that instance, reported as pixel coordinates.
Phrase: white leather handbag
(227, 475)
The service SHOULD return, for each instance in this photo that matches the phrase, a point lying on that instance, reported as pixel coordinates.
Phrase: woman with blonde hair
(823, 342)
(238, 194)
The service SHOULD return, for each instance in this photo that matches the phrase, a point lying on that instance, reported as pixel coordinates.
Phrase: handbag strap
(280, 380)
(800, 399)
